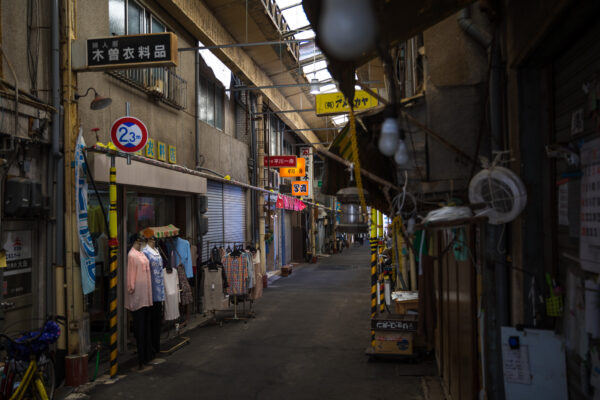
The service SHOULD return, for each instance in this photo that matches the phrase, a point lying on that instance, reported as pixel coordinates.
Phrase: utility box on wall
(23, 197)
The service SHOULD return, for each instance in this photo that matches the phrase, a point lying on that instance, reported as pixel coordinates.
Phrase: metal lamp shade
(353, 218)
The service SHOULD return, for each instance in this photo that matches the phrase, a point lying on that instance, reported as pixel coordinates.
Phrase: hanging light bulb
(315, 88)
(347, 27)
(388, 140)
(401, 156)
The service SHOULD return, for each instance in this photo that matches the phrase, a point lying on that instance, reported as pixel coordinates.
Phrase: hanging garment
(251, 277)
(184, 285)
(183, 254)
(237, 274)
(141, 331)
(139, 286)
(212, 283)
(194, 257)
(171, 296)
(257, 290)
(158, 273)
(256, 261)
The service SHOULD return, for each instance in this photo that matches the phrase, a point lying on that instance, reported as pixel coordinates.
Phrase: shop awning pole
(373, 243)
(114, 251)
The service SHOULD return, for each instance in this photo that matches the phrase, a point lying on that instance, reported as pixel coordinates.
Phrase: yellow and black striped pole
(373, 243)
(381, 246)
(114, 250)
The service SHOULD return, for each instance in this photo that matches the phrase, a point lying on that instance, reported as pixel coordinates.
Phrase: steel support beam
(202, 24)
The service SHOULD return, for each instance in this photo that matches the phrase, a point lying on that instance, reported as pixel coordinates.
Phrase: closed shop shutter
(234, 203)
(214, 212)
(574, 70)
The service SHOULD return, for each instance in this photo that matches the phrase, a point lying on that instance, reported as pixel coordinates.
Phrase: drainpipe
(253, 203)
(199, 242)
(495, 276)
(59, 169)
(467, 25)
(261, 183)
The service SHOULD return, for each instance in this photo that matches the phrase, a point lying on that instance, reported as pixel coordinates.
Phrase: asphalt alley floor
(307, 341)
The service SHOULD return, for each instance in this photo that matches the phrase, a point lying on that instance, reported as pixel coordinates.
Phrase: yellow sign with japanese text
(300, 169)
(151, 148)
(336, 103)
(172, 154)
(162, 152)
(300, 188)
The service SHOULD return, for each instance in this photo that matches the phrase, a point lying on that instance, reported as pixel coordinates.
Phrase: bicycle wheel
(46, 368)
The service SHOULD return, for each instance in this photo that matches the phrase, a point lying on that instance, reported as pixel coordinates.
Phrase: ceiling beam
(201, 23)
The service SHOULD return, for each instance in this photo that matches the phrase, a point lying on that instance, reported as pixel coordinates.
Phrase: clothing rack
(236, 299)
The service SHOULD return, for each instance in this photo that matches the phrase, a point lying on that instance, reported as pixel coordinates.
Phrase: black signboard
(400, 325)
(153, 49)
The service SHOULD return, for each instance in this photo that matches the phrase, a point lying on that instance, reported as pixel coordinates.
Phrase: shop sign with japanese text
(280, 161)
(299, 171)
(153, 49)
(300, 188)
(335, 103)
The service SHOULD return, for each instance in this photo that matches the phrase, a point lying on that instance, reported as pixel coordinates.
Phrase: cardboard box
(405, 301)
(393, 343)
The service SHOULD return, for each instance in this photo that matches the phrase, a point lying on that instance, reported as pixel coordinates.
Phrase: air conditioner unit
(274, 180)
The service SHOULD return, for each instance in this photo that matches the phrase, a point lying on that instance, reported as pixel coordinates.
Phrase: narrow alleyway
(307, 342)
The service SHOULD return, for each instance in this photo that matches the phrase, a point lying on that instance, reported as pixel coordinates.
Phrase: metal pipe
(251, 104)
(261, 197)
(291, 6)
(467, 25)
(313, 129)
(250, 44)
(288, 85)
(285, 111)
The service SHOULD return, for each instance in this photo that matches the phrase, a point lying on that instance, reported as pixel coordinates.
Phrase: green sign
(320, 183)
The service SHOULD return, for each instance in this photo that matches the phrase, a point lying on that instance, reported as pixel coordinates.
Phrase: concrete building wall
(220, 150)
(455, 86)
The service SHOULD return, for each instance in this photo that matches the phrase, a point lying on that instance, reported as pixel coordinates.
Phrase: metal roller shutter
(214, 212)
(234, 207)
(575, 68)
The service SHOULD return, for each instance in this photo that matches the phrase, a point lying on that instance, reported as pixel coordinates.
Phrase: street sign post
(280, 161)
(129, 134)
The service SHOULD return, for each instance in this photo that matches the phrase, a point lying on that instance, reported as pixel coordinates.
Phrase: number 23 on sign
(300, 188)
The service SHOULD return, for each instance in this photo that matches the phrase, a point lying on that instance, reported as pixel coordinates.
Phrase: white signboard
(516, 364)
(307, 154)
(17, 245)
(589, 242)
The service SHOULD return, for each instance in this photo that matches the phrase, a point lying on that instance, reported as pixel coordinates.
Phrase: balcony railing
(159, 82)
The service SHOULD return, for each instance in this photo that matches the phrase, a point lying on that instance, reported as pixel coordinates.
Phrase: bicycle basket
(21, 350)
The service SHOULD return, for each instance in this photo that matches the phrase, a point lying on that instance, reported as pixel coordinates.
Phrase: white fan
(501, 190)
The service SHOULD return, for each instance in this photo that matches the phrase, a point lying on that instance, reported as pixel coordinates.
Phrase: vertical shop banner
(589, 243)
(307, 154)
(87, 252)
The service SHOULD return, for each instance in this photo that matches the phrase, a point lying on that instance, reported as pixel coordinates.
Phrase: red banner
(280, 161)
(289, 203)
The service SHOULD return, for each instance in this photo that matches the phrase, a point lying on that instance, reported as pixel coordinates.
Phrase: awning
(398, 20)
(336, 175)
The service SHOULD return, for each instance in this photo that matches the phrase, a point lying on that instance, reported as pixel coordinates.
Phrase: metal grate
(159, 82)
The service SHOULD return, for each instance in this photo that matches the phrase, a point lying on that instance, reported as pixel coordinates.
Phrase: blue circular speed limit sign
(129, 134)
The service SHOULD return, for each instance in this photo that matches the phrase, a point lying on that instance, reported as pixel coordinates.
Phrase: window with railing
(162, 83)
(128, 17)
